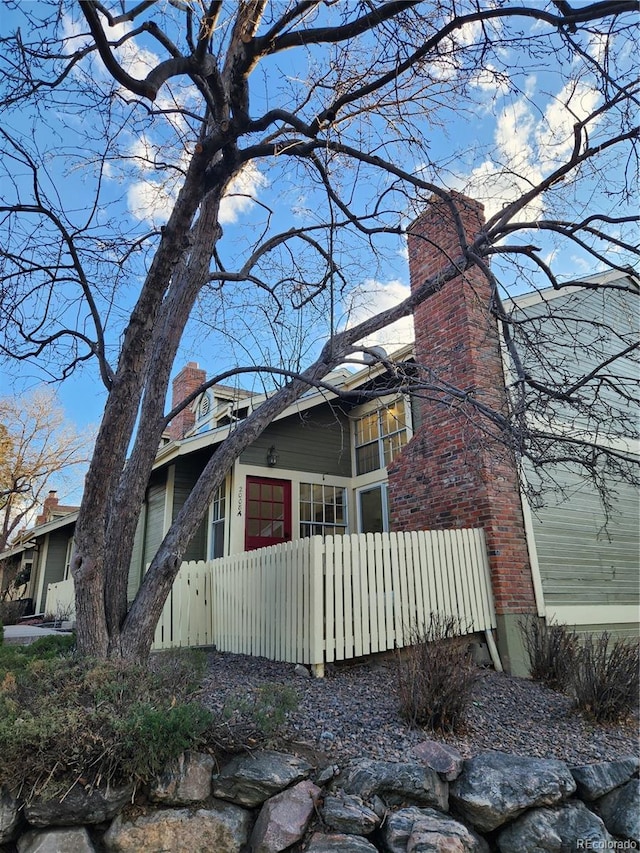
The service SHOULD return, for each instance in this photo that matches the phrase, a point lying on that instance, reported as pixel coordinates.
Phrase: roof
(342, 379)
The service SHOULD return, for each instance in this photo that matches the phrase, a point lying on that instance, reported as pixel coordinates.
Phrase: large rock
(252, 779)
(415, 830)
(396, 783)
(68, 840)
(339, 843)
(444, 759)
(596, 780)
(78, 806)
(185, 780)
(571, 826)
(284, 818)
(222, 827)
(496, 787)
(10, 816)
(620, 810)
(347, 813)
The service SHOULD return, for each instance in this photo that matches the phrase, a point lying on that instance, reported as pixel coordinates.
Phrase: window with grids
(380, 436)
(218, 513)
(323, 510)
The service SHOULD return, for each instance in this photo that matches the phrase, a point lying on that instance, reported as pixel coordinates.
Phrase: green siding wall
(567, 337)
(136, 568)
(55, 563)
(155, 516)
(585, 558)
(315, 441)
(187, 471)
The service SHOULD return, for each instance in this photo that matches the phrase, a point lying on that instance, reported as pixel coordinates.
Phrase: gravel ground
(353, 712)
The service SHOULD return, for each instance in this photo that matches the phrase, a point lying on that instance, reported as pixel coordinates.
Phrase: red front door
(268, 512)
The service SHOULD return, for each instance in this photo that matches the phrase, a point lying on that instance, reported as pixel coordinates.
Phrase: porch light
(272, 456)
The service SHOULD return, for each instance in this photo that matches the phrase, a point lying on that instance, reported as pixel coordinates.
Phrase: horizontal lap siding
(187, 472)
(317, 442)
(585, 558)
(55, 563)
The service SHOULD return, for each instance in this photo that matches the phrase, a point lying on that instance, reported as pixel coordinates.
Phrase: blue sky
(516, 132)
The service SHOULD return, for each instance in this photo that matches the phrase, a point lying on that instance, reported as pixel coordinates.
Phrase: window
(323, 510)
(380, 436)
(373, 505)
(218, 513)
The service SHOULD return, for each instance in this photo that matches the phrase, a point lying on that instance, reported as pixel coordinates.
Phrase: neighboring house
(332, 465)
(41, 555)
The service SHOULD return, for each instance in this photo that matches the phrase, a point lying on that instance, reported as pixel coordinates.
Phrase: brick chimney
(48, 505)
(189, 378)
(456, 472)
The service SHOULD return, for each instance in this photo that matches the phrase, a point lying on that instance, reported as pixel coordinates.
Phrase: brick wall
(189, 378)
(456, 472)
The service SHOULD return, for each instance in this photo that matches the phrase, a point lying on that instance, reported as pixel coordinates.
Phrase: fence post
(316, 606)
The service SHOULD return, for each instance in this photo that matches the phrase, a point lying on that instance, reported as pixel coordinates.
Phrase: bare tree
(344, 108)
(38, 449)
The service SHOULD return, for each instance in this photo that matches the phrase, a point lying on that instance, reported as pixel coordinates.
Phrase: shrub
(63, 719)
(552, 651)
(256, 715)
(12, 611)
(606, 682)
(436, 675)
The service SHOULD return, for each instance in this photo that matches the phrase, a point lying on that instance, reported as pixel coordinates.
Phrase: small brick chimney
(453, 473)
(189, 378)
(48, 505)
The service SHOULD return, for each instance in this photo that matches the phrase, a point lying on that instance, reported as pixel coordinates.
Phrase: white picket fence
(318, 600)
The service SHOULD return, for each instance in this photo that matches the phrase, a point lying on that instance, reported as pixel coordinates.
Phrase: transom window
(322, 510)
(380, 436)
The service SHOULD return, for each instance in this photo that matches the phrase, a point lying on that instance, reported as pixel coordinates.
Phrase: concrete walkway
(24, 635)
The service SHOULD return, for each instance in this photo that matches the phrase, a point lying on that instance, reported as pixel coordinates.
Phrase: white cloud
(370, 298)
(241, 193)
(135, 60)
(554, 135)
(528, 147)
(152, 201)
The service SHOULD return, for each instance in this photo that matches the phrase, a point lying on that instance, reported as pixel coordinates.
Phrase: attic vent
(205, 405)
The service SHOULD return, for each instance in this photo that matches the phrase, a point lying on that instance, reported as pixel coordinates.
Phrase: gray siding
(136, 569)
(315, 441)
(55, 563)
(186, 474)
(155, 516)
(585, 558)
(568, 337)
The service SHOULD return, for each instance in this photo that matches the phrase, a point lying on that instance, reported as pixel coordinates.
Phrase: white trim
(526, 300)
(593, 614)
(536, 576)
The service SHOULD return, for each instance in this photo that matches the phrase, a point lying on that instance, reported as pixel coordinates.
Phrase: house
(352, 461)
(41, 555)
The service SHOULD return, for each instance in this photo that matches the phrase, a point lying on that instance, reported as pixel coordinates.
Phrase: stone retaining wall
(266, 801)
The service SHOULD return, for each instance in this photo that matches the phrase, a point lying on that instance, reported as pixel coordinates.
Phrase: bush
(436, 675)
(63, 719)
(17, 658)
(552, 651)
(256, 715)
(12, 611)
(606, 682)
